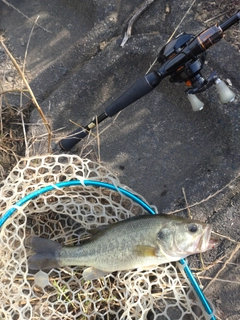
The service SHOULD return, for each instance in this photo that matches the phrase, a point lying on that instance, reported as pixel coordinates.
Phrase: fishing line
(9, 213)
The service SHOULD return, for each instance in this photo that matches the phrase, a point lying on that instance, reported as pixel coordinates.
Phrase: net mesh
(65, 215)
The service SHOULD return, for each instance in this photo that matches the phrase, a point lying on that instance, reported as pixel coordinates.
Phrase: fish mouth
(213, 242)
(207, 242)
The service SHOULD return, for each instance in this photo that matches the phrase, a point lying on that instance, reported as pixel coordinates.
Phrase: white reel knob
(226, 95)
(196, 104)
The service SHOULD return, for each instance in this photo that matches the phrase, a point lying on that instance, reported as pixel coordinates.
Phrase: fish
(140, 242)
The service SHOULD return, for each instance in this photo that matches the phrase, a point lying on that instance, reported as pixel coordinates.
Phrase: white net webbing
(65, 215)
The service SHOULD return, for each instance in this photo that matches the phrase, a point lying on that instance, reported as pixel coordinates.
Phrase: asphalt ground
(158, 146)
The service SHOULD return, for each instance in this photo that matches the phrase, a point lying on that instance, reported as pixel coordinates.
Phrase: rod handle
(139, 89)
(73, 138)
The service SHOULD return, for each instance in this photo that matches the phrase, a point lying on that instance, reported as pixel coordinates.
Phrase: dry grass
(27, 88)
(13, 139)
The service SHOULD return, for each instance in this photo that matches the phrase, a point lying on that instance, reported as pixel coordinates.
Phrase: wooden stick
(135, 16)
(187, 206)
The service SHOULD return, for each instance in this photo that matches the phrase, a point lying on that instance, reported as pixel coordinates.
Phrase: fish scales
(138, 242)
(114, 248)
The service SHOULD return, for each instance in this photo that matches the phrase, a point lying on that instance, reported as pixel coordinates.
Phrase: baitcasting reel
(190, 72)
(182, 60)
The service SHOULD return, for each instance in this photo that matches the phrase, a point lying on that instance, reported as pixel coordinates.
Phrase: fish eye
(193, 227)
(161, 235)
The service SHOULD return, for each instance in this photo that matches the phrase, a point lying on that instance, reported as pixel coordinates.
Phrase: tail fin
(46, 254)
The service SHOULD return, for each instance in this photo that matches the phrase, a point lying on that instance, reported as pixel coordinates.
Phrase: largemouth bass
(138, 242)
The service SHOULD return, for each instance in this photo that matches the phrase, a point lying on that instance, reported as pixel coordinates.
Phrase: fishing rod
(182, 59)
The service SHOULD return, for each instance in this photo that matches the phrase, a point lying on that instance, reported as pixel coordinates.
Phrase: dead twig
(224, 266)
(218, 279)
(186, 13)
(208, 198)
(226, 237)
(21, 94)
(30, 92)
(13, 90)
(215, 17)
(9, 150)
(187, 206)
(24, 15)
(135, 16)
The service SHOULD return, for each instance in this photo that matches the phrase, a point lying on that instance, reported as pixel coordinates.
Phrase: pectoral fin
(146, 251)
(93, 273)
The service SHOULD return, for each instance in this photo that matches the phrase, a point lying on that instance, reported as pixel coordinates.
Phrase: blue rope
(128, 194)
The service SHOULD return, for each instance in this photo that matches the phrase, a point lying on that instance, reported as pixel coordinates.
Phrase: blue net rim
(128, 194)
